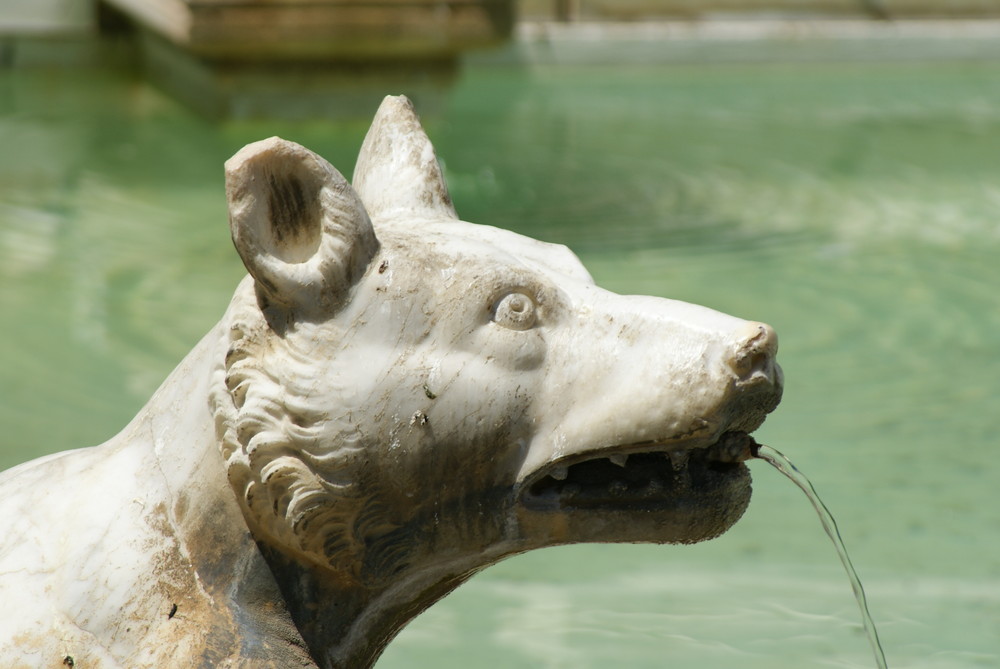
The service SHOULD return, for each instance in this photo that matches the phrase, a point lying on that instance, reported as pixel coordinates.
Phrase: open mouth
(658, 477)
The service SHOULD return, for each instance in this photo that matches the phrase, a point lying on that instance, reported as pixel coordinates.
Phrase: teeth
(619, 459)
(678, 459)
(559, 473)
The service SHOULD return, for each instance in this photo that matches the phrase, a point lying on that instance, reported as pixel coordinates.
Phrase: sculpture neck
(347, 624)
(178, 422)
(180, 476)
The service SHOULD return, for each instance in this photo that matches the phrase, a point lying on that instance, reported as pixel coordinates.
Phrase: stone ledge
(45, 18)
(727, 40)
(323, 30)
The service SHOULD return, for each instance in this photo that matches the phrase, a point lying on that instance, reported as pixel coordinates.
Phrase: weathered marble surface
(394, 400)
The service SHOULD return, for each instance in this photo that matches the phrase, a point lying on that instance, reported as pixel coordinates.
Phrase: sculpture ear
(397, 173)
(299, 227)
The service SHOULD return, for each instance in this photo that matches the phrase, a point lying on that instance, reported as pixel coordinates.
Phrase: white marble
(394, 400)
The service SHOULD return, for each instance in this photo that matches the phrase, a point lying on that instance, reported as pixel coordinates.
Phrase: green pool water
(855, 207)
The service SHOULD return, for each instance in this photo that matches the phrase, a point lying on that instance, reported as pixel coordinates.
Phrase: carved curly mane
(293, 464)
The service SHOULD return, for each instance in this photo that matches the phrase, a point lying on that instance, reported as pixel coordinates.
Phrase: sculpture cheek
(528, 353)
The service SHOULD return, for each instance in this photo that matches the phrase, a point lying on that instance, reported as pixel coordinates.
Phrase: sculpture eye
(515, 311)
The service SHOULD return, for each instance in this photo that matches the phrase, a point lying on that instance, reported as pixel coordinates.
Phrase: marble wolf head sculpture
(403, 387)
(400, 399)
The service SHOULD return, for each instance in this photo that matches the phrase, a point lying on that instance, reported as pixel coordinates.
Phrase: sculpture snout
(753, 357)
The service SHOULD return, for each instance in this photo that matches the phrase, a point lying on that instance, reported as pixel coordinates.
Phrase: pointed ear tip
(396, 104)
(397, 100)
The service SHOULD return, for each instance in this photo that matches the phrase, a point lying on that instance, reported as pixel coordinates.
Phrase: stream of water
(780, 462)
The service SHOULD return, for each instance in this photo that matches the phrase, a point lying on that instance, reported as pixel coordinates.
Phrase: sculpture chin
(660, 493)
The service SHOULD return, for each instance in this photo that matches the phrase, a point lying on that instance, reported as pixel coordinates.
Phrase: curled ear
(299, 227)
(397, 174)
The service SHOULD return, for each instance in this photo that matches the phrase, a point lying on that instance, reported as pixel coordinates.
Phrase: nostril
(758, 362)
(755, 353)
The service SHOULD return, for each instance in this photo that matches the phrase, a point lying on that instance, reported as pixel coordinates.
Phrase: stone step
(323, 30)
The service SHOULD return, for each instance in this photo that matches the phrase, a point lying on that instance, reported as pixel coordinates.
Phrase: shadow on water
(853, 207)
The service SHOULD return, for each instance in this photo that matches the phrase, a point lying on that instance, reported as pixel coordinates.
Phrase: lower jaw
(705, 501)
